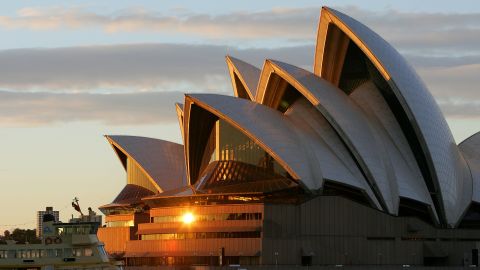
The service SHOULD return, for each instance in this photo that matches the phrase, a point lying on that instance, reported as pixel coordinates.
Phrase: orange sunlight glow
(188, 218)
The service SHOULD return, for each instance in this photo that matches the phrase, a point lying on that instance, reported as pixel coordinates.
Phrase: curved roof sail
(428, 129)
(470, 149)
(287, 139)
(263, 125)
(326, 149)
(179, 109)
(244, 77)
(161, 161)
(345, 117)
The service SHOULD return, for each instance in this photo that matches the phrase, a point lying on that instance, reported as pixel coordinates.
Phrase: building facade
(48, 210)
(351, 164)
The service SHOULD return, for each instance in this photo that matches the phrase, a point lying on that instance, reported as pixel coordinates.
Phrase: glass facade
(233, 145)
(199, 235)
(233, 162)
(211, 217)
(213, 259)
(117, 211)
(122, 223)
(136, 176)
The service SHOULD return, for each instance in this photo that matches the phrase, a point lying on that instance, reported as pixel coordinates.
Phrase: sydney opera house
(351, 164)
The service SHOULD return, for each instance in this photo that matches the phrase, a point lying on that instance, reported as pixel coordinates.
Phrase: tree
(23, 236)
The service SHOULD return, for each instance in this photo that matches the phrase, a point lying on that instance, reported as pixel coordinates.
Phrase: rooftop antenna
(76, 205)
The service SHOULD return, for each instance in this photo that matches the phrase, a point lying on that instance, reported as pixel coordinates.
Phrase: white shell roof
(447, 166)
(397, 152)
(162, 161)
(179, 109)
(305, 150)
(470, 149)
(325, 149)
(247, 73)
(353, 140)
(267, 127)
(348, 121)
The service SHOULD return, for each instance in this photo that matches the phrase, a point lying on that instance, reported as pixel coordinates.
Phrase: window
(68, 252)
(200, 235)
(234, 145)
(136, 176)
(122, 223)
(58, 252)
(35, 253)
(77, 252)
(69, 230)
(211, 217)
(51, 253)
(101, 249)
(23, 254)
(88, 252)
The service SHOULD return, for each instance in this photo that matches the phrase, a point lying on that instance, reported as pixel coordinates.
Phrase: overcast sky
(70, 73)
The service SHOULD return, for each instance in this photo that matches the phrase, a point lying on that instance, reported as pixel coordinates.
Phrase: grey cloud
(164, 67)
(431, 33)
(141, 67)
(453, 87)
(30, 109)
(71, 74)
(246, 25)
(461, 109)
(459, 82)
(423, 61)
(191, 68)
(186, 68)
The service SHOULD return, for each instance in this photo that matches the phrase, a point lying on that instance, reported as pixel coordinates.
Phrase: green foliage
(21, 236)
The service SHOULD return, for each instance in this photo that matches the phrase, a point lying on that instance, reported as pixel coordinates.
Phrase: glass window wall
(123, 223)
(200, 235)
(211, 217)
(233, 145)
(136, 176)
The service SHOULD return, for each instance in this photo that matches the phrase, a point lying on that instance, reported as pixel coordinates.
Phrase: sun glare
(188, 218)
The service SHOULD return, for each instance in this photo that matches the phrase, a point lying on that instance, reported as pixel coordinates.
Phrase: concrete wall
(335, 230)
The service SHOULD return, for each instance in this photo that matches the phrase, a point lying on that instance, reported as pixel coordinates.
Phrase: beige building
(48, 210)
